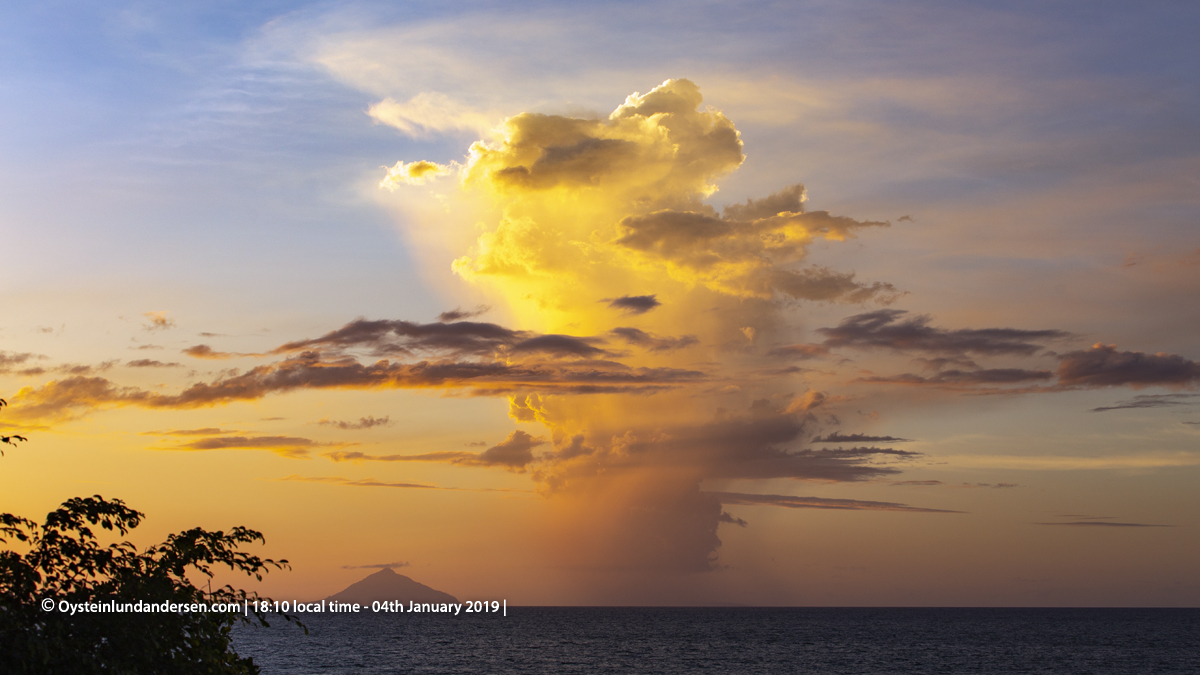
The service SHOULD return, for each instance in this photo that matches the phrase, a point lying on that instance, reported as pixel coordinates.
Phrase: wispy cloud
(482, 359)
(151, 363)
(513, 453)
(963, 378)
(205, 431)
(367, 422)
(791, 502)
(938, 483)
(1101, 524)
(10, 360)
(1151, 401)
(800, 351)
(431, 112)
(158, 321)
(361, 482)
(1104, 366)
(1150, 460)
(459, 314)
(378, 566)
(206, 352)
(888, 329)
(652, 342)
(286, 446)
(373, 483)
(634, 304)
(838, 437)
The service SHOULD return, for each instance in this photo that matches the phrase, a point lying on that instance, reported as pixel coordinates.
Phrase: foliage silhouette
(64, 562)
(11, 440)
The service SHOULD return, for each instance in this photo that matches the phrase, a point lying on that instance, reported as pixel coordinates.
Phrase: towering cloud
(588, 214)
(589, 206)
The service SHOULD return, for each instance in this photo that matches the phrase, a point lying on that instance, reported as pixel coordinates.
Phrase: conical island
(387, 585)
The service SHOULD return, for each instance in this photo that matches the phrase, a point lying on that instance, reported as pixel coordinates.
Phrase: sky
(805, 303)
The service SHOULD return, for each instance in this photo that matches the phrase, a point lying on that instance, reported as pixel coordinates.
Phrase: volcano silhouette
(387, 585)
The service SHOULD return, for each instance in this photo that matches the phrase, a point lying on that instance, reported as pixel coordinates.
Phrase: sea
(817, 641)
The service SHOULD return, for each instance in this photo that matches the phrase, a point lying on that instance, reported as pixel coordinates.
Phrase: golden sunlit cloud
(158, 321)
(429, 112)
(206, 352)
(600, 220)
(595, 205)
(413, 173)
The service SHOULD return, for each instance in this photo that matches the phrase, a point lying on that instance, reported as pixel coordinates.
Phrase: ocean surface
(824, 641)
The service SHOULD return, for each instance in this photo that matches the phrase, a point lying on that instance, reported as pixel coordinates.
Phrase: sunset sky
(806, 303)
